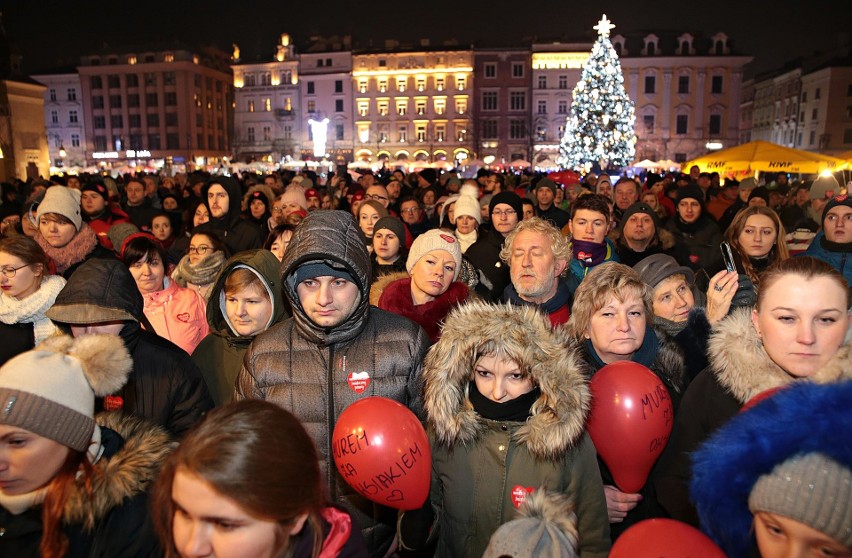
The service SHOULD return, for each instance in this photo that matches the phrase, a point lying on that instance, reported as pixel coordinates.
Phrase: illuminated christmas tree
(599, 128)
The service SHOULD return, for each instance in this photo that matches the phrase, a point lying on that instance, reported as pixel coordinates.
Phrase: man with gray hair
(538, 257)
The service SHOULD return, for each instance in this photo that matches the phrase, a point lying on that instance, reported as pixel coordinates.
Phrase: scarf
(668, 326)
(645, 356)
(518, 409)
(835, 246)
(690, 228)
(31, 309)
(74, 252)
(19, 503)
(202, 273)
(588, 253)
(466, 240)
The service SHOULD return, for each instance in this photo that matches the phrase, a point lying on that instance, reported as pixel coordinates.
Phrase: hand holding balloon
(618, 503)
(381, 450)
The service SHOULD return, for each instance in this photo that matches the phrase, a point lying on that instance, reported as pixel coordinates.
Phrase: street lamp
(62, 152)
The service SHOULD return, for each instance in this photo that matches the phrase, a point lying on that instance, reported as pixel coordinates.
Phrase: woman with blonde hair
(246, 483)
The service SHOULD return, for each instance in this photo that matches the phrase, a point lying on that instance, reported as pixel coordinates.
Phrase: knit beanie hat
(511, 199)
(64, 201)
(640, 207)
(823, 187)
(470, 190)
(320, 268)
(760, 192)
(311, 193)
(690, 191)
(258, 195)
(119, 232)
(468, 205)
(547, 528)
(834, 202)
(392, 224)
(96, 187)
(547, 183)
(295, 195)
(50, 390)
(812, 489)
(436, 239)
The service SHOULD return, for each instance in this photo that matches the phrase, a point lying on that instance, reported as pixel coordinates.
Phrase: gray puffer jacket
(307, 369)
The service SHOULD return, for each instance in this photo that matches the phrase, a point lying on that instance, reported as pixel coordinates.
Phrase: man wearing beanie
(833, 244)
(506, 211)
(545, 192)
(697, 236)
(823, 189)
(99, 213)
(335, 350)
(165, 386)
(640, 235)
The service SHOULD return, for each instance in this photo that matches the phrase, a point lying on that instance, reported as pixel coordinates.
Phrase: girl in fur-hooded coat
(105, 510)
(483, 467)
(739, 370)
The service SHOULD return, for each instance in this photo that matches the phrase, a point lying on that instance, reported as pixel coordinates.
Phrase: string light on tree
(600, 126)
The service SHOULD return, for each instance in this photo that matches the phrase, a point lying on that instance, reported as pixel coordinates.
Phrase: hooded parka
(316, 372)
(220, 354)
(739, 370)
(165, 387)
(480, 465)
(237, 233)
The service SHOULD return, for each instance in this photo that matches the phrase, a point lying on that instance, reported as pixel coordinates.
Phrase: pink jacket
(178, 314)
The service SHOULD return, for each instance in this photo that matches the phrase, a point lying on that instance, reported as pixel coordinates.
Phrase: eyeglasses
(507, 212)
(410, 210)
(200, 250)
(10, 272)
(376, 197)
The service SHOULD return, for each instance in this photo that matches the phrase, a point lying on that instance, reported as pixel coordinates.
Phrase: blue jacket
(838, 260)
(578, 272)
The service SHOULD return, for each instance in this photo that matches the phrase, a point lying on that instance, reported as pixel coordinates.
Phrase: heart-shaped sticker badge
(519, 494)
(358, 381)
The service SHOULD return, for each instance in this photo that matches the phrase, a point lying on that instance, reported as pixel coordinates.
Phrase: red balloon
(653, 538)
(630, 421)
(381, 450)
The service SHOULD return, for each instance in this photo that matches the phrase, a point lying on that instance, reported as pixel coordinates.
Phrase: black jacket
(141, 214)
(237, 233)
(165, 386)
(17, 338)
(484, 254)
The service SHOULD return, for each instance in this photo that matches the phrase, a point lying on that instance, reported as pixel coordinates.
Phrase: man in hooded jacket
(165, 387)
(335, 350)
(223, 203)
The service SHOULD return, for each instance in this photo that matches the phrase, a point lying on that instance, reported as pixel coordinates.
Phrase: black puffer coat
(307, 369)
(494, 275)
(237, 233)
(165, 386)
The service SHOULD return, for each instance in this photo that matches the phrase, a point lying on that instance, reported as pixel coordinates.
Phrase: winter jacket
(579, 271)
(697, 244)
(558, 308)
(394, 295)
(553, 214)
(314, 372)
(493, 273)
(101, 224)
(141, 215)
(663, 243)
(220, 354)
(82, 248)
(165, 387)
(120, 527)
(237, 233)
(177, 314)
(739, 369)
(481, 467)
(839, 256)
(662, 356)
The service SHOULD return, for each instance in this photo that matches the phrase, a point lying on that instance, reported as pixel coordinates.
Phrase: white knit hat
(467, 205)
(51, 389)
(64, 201)
(436, 239)
(295, 195)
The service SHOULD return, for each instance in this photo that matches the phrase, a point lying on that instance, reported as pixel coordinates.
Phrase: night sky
(52, 34)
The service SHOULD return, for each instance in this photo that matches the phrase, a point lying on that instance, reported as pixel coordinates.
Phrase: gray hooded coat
(306, 368)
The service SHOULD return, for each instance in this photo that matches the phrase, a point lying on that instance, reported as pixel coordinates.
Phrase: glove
(746, 294)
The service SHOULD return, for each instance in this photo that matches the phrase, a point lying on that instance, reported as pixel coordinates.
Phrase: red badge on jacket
(113, 403)
(358, 381)
(519, 494)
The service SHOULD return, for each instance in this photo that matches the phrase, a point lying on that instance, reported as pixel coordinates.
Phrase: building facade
(825, 114)
(413, 105)
(328, 125)
(267, 116)
(23, 139)
(64, 114)
(502, 127)
(171, 107)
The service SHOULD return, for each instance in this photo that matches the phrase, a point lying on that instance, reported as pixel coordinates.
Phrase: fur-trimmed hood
(125, 474)
(742, 367)
(380, 283)
(524, 334)
(802, 419)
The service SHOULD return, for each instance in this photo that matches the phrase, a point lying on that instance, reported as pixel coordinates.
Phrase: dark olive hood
(101, 290)
(232, 187)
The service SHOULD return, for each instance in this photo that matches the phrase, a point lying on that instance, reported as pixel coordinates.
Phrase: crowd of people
(177, 350)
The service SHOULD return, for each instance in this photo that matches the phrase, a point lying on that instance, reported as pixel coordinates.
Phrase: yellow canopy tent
(766, 157)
